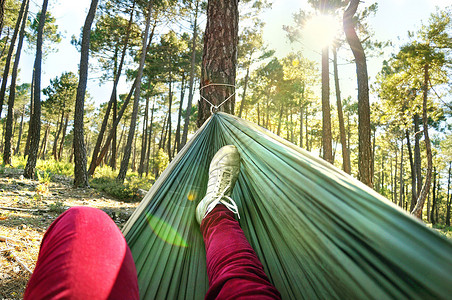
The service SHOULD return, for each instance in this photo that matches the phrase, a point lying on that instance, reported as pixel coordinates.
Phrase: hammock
(319, 233)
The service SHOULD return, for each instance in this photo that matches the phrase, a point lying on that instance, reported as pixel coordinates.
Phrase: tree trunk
(365, 152)
(177, 140)
(17, 150)
(219, 57)
(242, 104)
(125, 160)
(12, 90)
(57, 136)
(417, 211)
(301, 120)
(106, 146)
(448, 200)
(434, 200)
(345, 156)
(417, 155)
(80, 173)
(413, 171)
(35, 122)
(150, 127)
(2, 13)
(114, 142)
(44, 142)
(60, 151)
(20, 17)
(401, 177)
(394, 191)
(169, 117)
(192, 77)
(144, 139)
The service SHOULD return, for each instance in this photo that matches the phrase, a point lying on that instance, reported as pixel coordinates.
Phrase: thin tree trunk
(20, 17)
(219, 59)
(144, 139)
(35, 122)
(60, 151)
(192, 77)
(394, 191)
(45, 142)
(417, 211)
(365, 152)
(17, 150)
(177, 141)
(12, 90)
(413, 171)
(125, 160)
(150, 138)
(345, 156)
(242, 104)
(401, 176)
(301, 120)
(417, 155)
(434, 200)
(169, 118)
(80, 173)
(114, 141)
(448, 200)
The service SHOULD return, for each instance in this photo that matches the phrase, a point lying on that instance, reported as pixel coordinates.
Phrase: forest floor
(27, 208)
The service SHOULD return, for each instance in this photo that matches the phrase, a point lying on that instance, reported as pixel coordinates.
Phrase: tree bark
(80, 173)
(20, 17)
(144, 139)
(125, 160)
(192, 77)
(60, 151)
(177, 140)
(326, 115)
(12, 90)
(150, 138)
(401, 176)
(343, 138)
(245, 85)
(417, 211)
(57, 136)
(448, 197)
(219, 57)
(434, 200)
(17, 150)
(365, 152)
(169, 117)
(417, 155)
(35, 122)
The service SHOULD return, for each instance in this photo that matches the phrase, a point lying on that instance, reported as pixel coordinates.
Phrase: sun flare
(321, 30)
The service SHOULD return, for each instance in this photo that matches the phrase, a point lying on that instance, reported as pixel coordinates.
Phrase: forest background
(279, 86)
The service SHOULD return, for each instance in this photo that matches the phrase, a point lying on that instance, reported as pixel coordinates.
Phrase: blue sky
(393, 20)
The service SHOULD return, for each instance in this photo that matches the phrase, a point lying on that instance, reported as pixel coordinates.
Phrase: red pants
(233, 267)
(84, 256)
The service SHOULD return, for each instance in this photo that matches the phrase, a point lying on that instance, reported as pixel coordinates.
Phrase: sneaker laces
(222, 198)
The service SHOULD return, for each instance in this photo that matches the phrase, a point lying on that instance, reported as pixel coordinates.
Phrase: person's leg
(83, 255)
(233, 267)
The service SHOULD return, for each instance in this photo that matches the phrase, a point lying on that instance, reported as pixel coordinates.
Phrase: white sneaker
(223, 173)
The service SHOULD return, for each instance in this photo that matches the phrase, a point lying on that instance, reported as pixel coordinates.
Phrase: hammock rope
(319, 233)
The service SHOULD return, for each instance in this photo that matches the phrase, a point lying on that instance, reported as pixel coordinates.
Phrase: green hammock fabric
(318, 232)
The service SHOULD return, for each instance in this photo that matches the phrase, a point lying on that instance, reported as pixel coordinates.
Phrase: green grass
(444, 230)
(104, 179)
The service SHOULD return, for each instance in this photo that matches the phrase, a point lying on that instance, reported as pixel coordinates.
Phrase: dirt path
(26, 228)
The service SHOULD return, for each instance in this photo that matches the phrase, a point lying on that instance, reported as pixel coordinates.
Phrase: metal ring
(213, 109)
